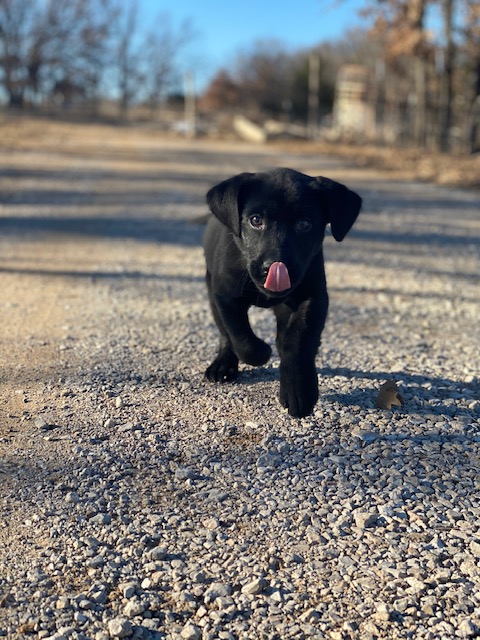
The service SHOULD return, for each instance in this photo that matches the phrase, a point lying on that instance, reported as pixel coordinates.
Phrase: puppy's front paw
(224, 368)
(299, 394)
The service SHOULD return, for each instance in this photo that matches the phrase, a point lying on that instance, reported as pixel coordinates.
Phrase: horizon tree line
(425, 79)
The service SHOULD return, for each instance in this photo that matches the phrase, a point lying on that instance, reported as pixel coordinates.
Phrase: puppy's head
(278, 219)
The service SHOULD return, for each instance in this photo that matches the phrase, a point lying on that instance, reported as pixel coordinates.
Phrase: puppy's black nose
(266, 264)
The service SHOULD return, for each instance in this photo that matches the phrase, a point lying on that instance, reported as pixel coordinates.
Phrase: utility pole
(190, 107)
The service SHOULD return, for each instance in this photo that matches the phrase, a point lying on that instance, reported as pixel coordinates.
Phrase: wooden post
(313, 93)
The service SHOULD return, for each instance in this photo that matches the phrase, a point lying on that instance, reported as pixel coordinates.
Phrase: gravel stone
(365, 520)
(128, 590)
(133, 608)
(120, 628)
(217, 590)
(190, 632)
(467, 629)
(254, 587)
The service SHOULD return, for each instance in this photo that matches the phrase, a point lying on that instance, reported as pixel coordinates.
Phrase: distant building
(353, 114)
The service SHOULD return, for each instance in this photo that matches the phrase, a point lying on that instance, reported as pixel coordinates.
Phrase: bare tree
(145, 57)
(127, 54)
(163, 44)
(442, 75)
(78, 50)
(52, 45)
(472, 51)
(400, 24)
(17, 22)
(222, 94)
(264, 75)
(446, 99)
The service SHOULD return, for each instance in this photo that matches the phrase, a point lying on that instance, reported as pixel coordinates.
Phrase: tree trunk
(473, 133)
(16, 100)
(446, 97)
(419, 84)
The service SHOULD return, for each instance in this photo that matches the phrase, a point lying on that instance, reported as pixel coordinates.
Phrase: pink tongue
(277, 278)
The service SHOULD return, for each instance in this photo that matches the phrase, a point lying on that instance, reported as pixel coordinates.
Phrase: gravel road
(139, 501)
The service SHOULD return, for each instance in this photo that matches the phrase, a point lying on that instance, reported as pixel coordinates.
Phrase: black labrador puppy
(263, 247)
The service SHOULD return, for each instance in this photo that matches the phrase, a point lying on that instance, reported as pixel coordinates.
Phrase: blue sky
(225, 27)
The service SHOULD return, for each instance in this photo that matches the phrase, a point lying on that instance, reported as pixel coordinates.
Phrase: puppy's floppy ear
(224, 201)
(343, 205)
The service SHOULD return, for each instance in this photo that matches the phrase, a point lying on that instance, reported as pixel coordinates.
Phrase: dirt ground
(78, 194)
(104, 324)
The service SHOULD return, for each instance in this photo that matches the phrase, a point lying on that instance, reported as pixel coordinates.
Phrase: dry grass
(460, 170)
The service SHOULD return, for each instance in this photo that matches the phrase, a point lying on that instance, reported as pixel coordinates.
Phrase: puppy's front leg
(237, 340)
(246, 345)
(298, 339)
(225, 366)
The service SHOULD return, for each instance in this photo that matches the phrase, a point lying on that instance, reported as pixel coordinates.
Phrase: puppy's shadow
(421, 394)
(254, 375)
(359, 398)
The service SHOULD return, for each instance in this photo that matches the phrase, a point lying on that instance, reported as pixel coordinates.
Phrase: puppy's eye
(303, 224)
(256, 221)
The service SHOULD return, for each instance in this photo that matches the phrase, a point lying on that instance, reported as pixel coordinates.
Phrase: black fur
(259, 219)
